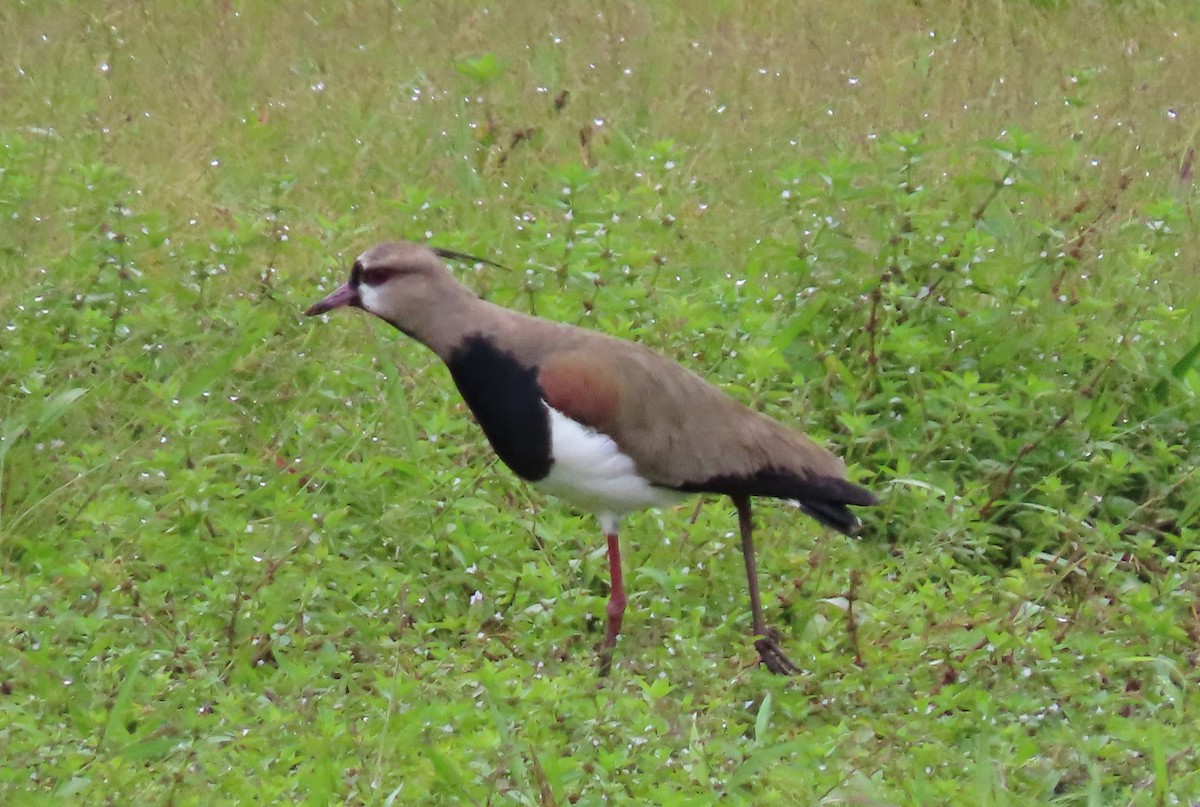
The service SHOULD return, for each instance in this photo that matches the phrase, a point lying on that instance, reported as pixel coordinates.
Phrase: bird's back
(681, 432)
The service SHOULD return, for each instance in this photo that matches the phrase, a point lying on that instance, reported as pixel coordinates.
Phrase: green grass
(246, 556)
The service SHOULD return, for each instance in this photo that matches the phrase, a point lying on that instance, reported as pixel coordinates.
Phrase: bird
(608, 425)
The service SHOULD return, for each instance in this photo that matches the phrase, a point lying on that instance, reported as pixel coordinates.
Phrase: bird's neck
(444, 324)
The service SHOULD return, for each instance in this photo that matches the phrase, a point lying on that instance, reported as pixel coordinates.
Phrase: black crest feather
(450, 254)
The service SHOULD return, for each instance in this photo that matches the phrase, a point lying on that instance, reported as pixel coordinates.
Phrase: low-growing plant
(245, 558)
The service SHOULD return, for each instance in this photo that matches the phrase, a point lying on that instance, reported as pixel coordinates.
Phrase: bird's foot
(772, 655)
(604, 665)
(604, 653)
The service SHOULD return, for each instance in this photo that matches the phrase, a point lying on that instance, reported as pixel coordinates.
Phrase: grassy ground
(248, 557)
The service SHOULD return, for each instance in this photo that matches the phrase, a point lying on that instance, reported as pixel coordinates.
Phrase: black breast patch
(507, 402)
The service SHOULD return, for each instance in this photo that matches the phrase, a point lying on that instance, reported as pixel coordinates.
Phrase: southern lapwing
(608, 425)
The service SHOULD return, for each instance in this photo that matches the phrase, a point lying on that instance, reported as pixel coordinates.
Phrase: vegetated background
(246, 556)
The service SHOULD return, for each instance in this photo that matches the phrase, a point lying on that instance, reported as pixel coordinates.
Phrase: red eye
(377, 276)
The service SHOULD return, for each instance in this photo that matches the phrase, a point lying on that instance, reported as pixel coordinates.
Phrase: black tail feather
(825, 498)
(832, 514)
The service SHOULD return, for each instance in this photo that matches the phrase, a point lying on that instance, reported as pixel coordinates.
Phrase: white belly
(590, 472)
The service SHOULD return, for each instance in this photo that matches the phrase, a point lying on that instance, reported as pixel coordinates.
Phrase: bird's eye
(378, 275)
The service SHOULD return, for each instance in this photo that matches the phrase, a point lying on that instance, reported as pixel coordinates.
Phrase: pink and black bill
(346, 294)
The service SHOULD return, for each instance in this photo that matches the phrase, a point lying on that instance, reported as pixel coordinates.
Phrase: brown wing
(680, 430)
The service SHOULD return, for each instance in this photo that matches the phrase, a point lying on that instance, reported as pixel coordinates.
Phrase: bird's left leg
(615, 609)
(765, 642)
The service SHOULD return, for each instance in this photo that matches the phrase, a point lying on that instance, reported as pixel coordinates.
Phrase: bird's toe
(772, 656)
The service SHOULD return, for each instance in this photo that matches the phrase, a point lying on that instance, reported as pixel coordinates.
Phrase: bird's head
(403, 283)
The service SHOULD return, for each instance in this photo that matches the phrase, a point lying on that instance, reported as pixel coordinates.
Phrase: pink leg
(615, 610)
